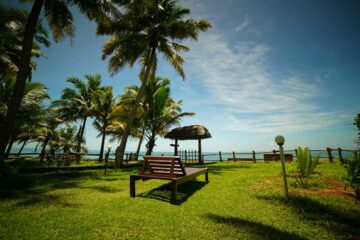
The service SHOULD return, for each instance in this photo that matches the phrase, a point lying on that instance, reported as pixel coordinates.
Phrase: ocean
(207, 156)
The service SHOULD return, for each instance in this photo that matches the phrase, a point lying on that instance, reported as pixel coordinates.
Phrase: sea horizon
(207, 156)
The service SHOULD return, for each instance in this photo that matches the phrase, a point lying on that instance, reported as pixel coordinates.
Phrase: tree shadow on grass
(344, 223)
(184, 191)
(46, 200)
(25, 186)
(102, 189)
(222, 169)
(23, 181)
(259, 230)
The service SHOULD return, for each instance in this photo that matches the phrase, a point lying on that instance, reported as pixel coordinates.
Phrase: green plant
(356, 123)
(305, 165)
(353, 173)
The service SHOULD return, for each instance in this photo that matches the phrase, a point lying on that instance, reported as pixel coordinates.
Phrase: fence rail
(192, 156)
(328, 153)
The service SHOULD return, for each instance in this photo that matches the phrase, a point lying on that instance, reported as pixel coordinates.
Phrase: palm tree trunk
(42, 154)
(8, 150)
(78, 147)
(22, 147)
(140, 142)
(102, 143)
(124, 138)
(151, 144)
(23, 74)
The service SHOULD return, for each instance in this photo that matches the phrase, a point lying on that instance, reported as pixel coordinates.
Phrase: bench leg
(173, 192)
(206, 176)
(132, 186)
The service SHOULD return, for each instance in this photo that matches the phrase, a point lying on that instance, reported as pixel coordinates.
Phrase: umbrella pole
(200, 154)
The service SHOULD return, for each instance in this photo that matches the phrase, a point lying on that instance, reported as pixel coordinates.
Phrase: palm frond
(59, 18)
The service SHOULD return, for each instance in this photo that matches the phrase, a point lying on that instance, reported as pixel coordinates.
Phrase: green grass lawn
(241, 201)
(34, 162)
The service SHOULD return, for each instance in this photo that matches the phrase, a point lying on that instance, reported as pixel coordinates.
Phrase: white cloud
(246, 21)
(251, 99)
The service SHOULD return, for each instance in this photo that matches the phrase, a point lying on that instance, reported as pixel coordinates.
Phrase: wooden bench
(166, 168)
(276, 157)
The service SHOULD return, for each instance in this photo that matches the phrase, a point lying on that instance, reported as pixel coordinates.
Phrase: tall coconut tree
(103, 103)
(67, 139)
(48, 131)
(76, 103)
(28, 132)
(162, 111)
(60, 21)
(12, 27)
(356, 123)
(127, 100)
(31, 107)
(145, 30)
(120, 115)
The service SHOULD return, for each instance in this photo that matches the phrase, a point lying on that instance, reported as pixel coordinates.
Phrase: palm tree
(12, 22)
(103, 103)
(61, 23)
(68, 139)
(356, 123)
(47, 133)
(127, 100)
(145, 29)
(76, 103)
(31, 107)
(162, 111)
(27, 133)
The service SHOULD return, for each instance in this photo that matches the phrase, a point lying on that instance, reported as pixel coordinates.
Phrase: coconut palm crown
(60, 20)
(145, 30)
(76, 102)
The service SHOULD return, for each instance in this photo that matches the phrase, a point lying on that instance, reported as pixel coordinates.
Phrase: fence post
(254, 156)
(329, 154)
(190, 156)
(340, 155)
(275, 155)
(234, 156)
(220, 157)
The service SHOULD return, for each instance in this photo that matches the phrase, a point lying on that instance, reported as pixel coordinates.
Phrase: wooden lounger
(166, 168)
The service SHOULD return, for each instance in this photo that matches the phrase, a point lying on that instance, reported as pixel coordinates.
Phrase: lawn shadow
(102, 189)
(45, 200)
(222, 169)
(344, 223)
(184, 191)
(259, 230)
(24, 186)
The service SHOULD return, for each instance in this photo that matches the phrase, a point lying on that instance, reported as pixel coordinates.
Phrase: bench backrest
(163, 165)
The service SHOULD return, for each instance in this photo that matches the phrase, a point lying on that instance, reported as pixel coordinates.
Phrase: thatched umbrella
(193, 132)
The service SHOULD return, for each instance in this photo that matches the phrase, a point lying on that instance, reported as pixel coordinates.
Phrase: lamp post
(107, 158)
(280, 140)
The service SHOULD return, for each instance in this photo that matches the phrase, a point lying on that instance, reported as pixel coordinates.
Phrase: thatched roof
(189, 133)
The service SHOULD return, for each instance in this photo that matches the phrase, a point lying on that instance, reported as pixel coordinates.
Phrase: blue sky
(265, 68)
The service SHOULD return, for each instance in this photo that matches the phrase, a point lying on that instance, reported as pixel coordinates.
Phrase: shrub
(353, 173)
(305, 165)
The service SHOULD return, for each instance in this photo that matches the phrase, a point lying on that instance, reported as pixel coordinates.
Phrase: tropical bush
(305, 165)
(353, 173)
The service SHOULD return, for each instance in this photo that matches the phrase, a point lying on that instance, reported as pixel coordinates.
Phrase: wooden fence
(274, 155)
(191, 156)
